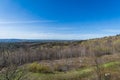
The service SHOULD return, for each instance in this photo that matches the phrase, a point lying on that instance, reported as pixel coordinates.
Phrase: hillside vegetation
(94, 59)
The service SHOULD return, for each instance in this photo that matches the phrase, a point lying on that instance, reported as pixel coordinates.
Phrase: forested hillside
(61, 56)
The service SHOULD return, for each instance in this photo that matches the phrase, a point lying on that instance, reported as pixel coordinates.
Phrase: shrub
(62, 68)
(40, 68)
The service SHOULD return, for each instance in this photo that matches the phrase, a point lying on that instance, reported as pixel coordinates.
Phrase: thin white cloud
(112, 30)
(12, 32)
(30, 21)
(50, 36)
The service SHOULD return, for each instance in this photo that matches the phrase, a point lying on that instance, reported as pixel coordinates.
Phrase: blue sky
(59, 19)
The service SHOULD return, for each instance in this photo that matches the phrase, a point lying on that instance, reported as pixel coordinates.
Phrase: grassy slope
(111, 67)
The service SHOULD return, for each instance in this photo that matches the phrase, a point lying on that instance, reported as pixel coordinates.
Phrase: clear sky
(59, 19)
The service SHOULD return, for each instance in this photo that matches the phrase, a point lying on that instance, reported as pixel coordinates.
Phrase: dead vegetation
(52, 57)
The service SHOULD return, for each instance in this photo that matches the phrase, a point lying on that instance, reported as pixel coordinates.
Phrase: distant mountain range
(11, 40)
(30, 40)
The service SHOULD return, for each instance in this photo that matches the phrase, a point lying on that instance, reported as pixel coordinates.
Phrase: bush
(40, 68)
(62, 68)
